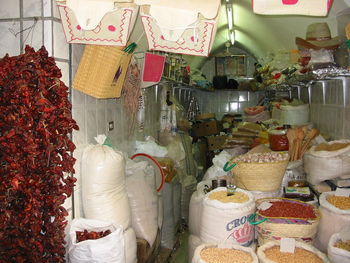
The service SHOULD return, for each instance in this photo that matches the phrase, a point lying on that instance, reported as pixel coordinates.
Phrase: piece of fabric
(153, 67)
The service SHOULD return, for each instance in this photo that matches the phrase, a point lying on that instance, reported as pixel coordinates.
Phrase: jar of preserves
(278, 139)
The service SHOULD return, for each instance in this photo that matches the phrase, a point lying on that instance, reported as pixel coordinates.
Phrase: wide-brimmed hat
(318, 35)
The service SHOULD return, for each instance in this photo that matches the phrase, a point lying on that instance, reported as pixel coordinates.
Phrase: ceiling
(259, 35)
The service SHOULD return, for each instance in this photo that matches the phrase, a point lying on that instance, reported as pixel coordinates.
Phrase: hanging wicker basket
(102, 70)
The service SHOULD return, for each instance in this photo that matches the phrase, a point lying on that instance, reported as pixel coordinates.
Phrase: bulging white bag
(216, 170)
(292, 115)
(130, 246)
(193, 243)
(143, 201)
(332, 221)
(326, 165)
(109, 249)
(335, 254)
(227, 222)
(195, 213)
(103, 184)
(197, 254)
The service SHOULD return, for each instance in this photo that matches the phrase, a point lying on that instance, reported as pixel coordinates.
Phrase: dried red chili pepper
(85, 235)
(35, 156)
(289, 210)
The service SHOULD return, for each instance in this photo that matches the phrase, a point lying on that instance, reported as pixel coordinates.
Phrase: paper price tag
(287, 245)
(342, 192)
(264, 206)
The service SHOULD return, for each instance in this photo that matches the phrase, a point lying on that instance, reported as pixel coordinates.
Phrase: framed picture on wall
(234, 65)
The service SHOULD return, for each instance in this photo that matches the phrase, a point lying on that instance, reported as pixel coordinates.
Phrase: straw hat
(318, 35)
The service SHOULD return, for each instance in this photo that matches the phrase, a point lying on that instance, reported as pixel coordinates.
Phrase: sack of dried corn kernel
(339, 247)
(210, 253)
(335, 214)
(225, 218)
(270, 253)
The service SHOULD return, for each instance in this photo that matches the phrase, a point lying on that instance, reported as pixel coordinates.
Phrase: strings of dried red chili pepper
(289, 210)
(85, 235)
(35, 123)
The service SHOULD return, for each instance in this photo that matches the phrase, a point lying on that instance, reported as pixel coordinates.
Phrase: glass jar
(278, 139)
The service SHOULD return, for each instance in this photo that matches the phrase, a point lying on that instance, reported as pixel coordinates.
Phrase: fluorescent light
(232, 37)
(229, 17)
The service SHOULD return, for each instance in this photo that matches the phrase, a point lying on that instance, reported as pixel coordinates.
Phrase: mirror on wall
(232, 66)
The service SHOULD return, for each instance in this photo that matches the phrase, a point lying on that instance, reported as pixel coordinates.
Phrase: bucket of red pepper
(282, 217)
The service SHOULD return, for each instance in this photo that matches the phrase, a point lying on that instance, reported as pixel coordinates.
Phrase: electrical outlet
(111, 126)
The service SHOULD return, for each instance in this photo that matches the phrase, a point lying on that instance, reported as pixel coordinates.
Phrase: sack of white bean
(225, 218)
(210, 253)
(303, 253)
(335, 214)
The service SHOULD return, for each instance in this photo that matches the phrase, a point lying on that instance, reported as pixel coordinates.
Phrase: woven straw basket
(102, 71)
(263, 177)
(273, 228)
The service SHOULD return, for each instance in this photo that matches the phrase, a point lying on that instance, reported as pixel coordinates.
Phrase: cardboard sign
(287, 245)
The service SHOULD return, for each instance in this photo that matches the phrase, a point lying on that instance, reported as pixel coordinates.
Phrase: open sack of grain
(328, 161)
(209, 253)
(225, 218)
(339, 246)
(270, 253)
(335, 214)
(259, 171)
(276, 218)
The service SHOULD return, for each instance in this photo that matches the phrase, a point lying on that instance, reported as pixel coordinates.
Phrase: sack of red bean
(303, 253)
(281, 217)
(223, 253)
(95, 241)
(335, 213)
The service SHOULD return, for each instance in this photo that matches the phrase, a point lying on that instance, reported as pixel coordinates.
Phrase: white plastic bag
(189, 184)
(143, 201)
(109, 249)
(130, 246)
(335, 254)
(332, 221)
(195, 213)
(103, 184)
(216, 170)
(227, 222)
(150, 147)
(292, 115)
(326, 165)
(197, 258)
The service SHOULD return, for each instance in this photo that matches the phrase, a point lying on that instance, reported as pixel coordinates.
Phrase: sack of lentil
(281, 217)
(327, 161)
(210, 253)
(270, 253)
(335, 214)
(225, 218)
(193, 243)
(339, 249)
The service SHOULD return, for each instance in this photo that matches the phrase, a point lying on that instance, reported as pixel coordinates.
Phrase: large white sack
(292, 115)
(189, 184)
(227, 222)
(326, 165)
(197, 258)
(143, 201)
(168, 228)
(130, 246)
(195, 213)
(177, 203)
(332, 221)
(335, 254)
(193, 243)
(103, 185)
(263, 259)
(109, 249)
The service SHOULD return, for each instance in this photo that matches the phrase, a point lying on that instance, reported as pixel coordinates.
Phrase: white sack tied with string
(103, 184)
(143, 201)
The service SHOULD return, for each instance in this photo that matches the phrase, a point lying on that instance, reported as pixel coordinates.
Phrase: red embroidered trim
(122, 25)
(155, 45)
